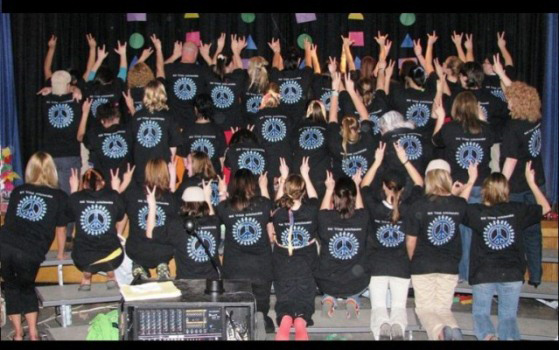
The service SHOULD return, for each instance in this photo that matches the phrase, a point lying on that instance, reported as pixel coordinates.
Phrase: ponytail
(350, 131)
(345, 193)
(293, 189)
(221, 63)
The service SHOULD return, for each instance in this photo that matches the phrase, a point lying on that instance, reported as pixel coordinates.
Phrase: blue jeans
(508, 294)
(532, 239)
(466, 238)
(64, 166)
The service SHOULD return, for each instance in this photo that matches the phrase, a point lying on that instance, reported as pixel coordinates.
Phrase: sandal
(328, 307)
(84, 288)
(111, 284)
(352, 309)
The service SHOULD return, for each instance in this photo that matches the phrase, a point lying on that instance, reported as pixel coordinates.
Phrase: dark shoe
(269, 324)
(457, 334)
(447, 333)
(535, 284)
(112, 285)
(84, 288)
(396, 332)
(163, 272)
(384, 332)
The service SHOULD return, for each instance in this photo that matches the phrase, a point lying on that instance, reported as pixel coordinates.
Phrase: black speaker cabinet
(194, 315)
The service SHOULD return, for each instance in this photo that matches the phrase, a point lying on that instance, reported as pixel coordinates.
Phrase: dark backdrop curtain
(525, 34)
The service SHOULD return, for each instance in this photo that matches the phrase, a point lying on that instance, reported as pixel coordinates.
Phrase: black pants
(261, 291)
(19, 271)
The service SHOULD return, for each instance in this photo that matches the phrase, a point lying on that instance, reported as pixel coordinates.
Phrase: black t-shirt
(386, 246)
(251, 99)
(247, 251)
(101, 94)
(154, 134)
(246, 155)
(342, 264)
(359, 155)
(417, 149)
(207, 138)
(196, 180)
(226, 98)
(63, 116)
(96, 214)
(33, 214)
(377, 107)
(497, 252)
(310, 139)
(185, 81)
(190, 256)
(322, 89)
(415, 105)
(493, 83)
(109, 148)
(461, 147)
(304, 224)
(435, 222)
(273, 129)
(294, 86)
(137, 94)
(522, 140)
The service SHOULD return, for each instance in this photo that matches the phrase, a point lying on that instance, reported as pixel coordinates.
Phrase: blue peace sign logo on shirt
(374, 119)
(499, 93)
(138, 106)
(351, 164)
(418, 113)
(32, 208)
(253, 104)
(469, 152)
(196, 251)
(300, 237)
(290, 92)
(484, 112)
(185, 89)
(441, 230)
(96, 103)
(343, 246)
(252, 161)
(114, 146)
(326, 99)
(247, 231)
(203, 145)
(498, 235)
(60, 115)
(535, 143)
(149, 134)
(311, 139)
(273, 130)
(95, 220)
(143, 217)
(222, 96)
(412, 146)
(390, 236)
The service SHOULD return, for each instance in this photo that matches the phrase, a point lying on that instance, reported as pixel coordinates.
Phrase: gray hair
(393, 120)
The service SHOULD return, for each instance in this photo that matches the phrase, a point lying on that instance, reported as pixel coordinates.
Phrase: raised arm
(284, 173)
(381, 72)
(442, 78)
(333, 113)
(207, 187)
(431, 40)
(412, 171)
(540, 197)
(388, 76)
(371, 173)
(350, 88)
(159, 70)
(308, 53)
(83, 121)
(465, 190)
(123, 66)
(101, 55)
(172, 166)
(47, 68)
(503, 48)
(152, 209)
(220, 46)
(305, 170)
(347, 42)
(469, 45)
(315, 62)
(330, 183)
(177, 52)
(237, 46)
(205, 53)
(92, 43)
(145, 55)
(439, 113)
(457, 40)
(418, 51)
(384, 49)
(500, 71)
(358, 198)
(126, 178)
(277, 61)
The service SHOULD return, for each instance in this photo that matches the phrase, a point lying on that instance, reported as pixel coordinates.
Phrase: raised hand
(205, 49)
(74, 180)
(438, 109)
(234, 44)
(337, 81)
(457, 38)
(156, 42)
(417, 49)
(400, 152)
(145, 54)
(390, 69)
(221, 42)
(52, 42)
(150, 197)
(284, 169)
(387, 46)
(457, 188)
(501, 42)
(307, 44)
(127, 176)
(263, 180)
(357, 177)
(332, 65)
(177, 49)
(349, 84)
(172, 166)
(305, 169)
(76, 94)
(91, 42)
(241, 43)
(381, 39)
(121, 49)
(45, 91)
(432, 38)
(101, 53)
(275, 45)
(530, 173)
(330, 183)
(469, 43)
(439, 69)
(221, 185)
(206, 186)
(497, 66)
(115, 180)
(313, 49)
(472, 172)
(347, 41)
(86, 107)
(379, 153)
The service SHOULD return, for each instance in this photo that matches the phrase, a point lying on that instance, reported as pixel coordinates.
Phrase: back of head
(291, 59)
(104, 76)
(271, 98)
(395, 182)
(157, 174)
(472, 75)
(368, 67)
(495, 189)
(75, 74)
(60, 81)
(140, 75)
(524, 101)
(393, 120)
(416, 74)
(220, 67)
(41, 170)
(243, 136)
(202, 165)
(366, 90)
(244, 185)
(405, 70)
(454, 65)
(349, 131)
(293, 190)
(189, 52)
(465, 110)
(257, 73)
(438, 181)
(108, 112)
(203, 106)
(155, 96)
(344, 197)
(316, 111)
(92, 180)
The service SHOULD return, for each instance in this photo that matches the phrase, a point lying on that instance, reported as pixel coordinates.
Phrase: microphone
(213, 287)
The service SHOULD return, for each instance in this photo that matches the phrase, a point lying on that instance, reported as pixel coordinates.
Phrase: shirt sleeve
(175, 138)
(510, 148)
(412, 221)
(61, 217)
(438, 138)
(431, 82)
(120, 208)
(530, 214)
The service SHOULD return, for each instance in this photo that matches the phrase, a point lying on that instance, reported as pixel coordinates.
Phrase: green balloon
(407, 19)
(248, 17)
(301, 40)
(136, 41)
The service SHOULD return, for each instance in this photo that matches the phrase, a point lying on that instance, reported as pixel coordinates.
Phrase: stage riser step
(69, 295)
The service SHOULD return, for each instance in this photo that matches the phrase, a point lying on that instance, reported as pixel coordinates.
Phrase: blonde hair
(257, 73)
(155, 96)
(454, 64)
(140, 75)
(271, 98)
(465, 111)
(366, 90)
(349, 131)
(293, 189)
(316, 111)
(524, 102)
(157, 174)
(495, 189)
(202, 165)
(41, 170)
(438, 182)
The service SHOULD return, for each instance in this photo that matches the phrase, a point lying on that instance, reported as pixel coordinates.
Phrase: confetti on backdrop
(305, 17)
(194, 37)
(357, 63)
(301, 40)
(136, 41)
(136, 17)
(407, 19)
(191, 15)
(402, 60)
(357, 37)
(248, 17)
(250, 43)
(356, 16)
(408, 42)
